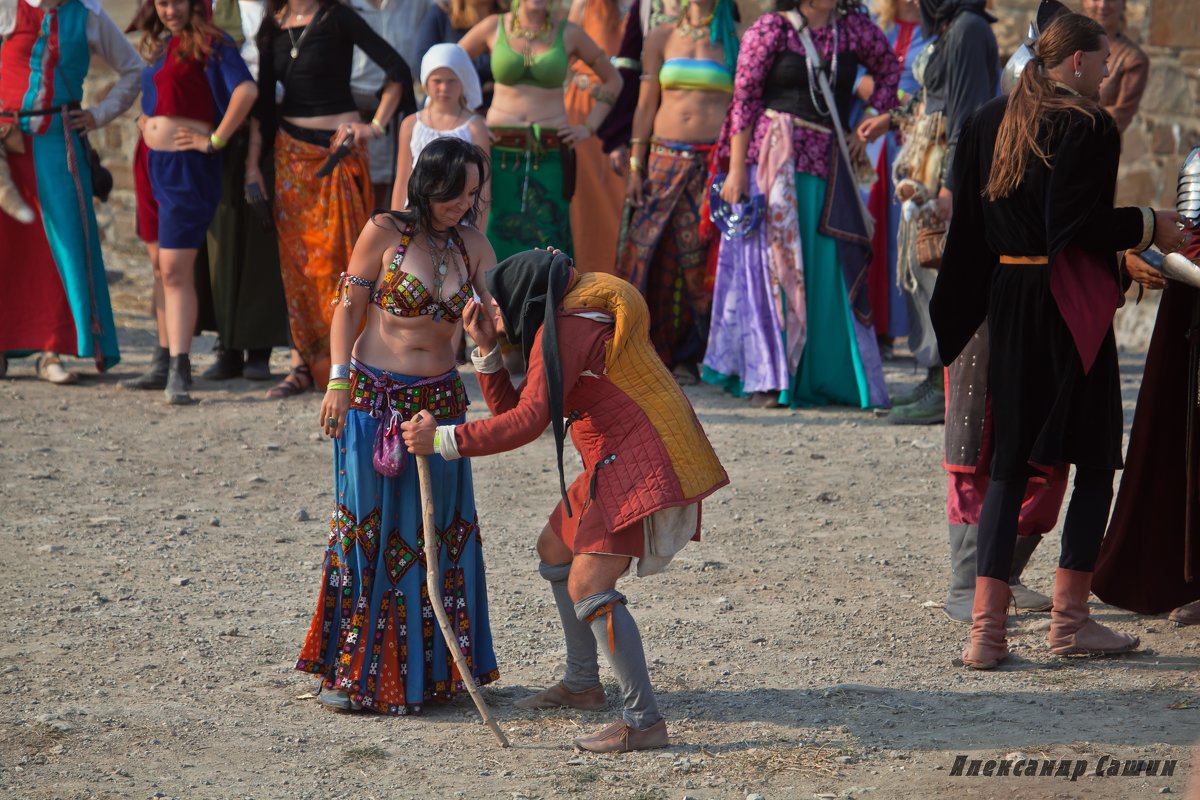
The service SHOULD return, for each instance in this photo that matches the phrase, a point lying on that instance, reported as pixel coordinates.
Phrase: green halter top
(510, 68)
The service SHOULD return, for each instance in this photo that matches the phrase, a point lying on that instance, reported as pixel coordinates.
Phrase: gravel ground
(163, 563)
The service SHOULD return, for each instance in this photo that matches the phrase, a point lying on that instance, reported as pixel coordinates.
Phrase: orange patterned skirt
(318, 221)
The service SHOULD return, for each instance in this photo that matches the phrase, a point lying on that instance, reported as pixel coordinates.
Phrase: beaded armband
(342, 291)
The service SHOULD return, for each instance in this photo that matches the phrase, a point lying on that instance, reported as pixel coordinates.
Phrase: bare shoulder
(660, 34)
(478, 246)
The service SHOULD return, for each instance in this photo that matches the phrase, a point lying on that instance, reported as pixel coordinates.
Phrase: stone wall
(1168, 123)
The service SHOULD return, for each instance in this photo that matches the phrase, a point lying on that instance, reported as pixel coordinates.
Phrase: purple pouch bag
(390, 456)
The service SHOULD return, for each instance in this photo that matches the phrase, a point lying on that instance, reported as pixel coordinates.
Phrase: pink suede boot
(1072, 630)
(989, 615)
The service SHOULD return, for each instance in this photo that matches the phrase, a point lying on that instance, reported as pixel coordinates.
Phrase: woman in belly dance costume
(372, 639)
(533, 168)
(685, 92)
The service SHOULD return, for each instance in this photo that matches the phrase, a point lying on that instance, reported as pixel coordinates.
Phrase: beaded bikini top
(405, 295)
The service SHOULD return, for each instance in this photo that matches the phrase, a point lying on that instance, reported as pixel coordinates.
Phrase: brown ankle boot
(620, 738)
(1072, 630)
(558, 696)
(989, 615)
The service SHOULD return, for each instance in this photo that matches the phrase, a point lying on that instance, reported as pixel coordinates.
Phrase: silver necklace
(440, 256)
(296, 42)
(812, 75)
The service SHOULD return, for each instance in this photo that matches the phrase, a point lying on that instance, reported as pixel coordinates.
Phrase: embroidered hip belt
(670, 147)
(376, 391)
(535, 137)
(1014, 260)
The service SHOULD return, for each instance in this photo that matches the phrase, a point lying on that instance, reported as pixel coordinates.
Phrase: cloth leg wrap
(583, 668)
(614, 628)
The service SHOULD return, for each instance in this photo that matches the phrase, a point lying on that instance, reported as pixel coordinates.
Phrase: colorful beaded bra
(405, 295)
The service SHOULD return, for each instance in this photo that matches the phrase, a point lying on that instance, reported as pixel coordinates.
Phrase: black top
(1069, 202)
(317, 81)
(787, 87)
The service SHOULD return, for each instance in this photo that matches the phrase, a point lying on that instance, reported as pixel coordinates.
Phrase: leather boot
(156, 376)
(559, 696)
(258, 365)
(1024, 598)
(989, 616)
(179, 380)
(962, 572)
(1072, 630)
(228, 365)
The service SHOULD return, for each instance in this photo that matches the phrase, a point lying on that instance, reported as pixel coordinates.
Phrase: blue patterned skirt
(374, 635)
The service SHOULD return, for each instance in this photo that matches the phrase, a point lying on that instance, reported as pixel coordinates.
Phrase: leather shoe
(1186, 615)
(620, 738)
(558, 696)
(49, 368)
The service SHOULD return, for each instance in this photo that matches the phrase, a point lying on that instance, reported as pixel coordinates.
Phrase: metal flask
(1178, 267)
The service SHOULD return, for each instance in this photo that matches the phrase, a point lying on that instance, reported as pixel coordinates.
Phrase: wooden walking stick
(433, 584)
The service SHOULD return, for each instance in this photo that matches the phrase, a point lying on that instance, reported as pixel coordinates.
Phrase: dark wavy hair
(843, 8)
(439, 176)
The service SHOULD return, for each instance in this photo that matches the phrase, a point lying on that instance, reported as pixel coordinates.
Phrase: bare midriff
(159, 132)
(527, 105)
(691, 115)
(325, 122)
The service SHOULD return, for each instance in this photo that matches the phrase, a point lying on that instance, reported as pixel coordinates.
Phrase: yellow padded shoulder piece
(635, 368)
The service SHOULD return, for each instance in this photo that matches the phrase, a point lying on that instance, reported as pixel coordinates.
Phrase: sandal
(297, 382)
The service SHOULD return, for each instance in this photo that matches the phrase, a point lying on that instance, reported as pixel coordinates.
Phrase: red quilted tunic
(627, 473)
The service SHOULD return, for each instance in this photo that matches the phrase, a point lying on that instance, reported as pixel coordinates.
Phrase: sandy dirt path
(161, 567)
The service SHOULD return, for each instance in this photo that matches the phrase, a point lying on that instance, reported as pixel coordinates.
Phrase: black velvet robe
(1053, 370)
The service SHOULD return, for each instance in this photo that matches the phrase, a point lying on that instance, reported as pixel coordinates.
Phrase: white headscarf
(455, 59)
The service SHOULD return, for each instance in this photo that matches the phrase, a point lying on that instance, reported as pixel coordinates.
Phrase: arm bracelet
(338, 371)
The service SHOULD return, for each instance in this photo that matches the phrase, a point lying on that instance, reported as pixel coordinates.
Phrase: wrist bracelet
(378, 128)
(635, 164)
(636, 140)
(338, 386)
(338, 371)
(217, 142)
(437, 439)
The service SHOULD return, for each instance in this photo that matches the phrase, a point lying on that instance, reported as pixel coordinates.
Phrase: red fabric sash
(1087, 294)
